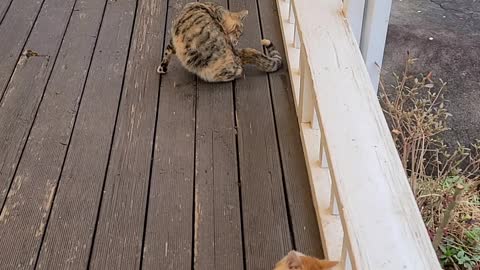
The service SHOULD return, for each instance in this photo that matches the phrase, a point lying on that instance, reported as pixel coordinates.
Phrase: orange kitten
(298, 261)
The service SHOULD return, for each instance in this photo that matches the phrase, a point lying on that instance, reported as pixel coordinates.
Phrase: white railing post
(296, 38)
(354, 10)
(374, 34)
(291, 16)
(323, 154)
(307, 99)
(345, 257)
(333, 201)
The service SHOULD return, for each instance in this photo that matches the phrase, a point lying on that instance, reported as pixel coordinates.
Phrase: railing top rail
(382, 220)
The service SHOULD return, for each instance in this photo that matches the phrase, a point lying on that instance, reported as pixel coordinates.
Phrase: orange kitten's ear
(327, 264)
(293, 260)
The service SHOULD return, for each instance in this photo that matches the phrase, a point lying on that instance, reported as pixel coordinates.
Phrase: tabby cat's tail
(268, 63)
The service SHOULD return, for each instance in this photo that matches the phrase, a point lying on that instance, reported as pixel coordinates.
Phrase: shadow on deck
(105, 165)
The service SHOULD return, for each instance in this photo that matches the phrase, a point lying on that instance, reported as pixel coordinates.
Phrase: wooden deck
(105, 165)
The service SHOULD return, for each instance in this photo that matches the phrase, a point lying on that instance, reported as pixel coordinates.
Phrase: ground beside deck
(105, 165)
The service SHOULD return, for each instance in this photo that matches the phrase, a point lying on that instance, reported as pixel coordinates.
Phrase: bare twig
(446, 217)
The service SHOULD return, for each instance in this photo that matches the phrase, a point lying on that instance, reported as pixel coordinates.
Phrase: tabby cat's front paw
(161, 69)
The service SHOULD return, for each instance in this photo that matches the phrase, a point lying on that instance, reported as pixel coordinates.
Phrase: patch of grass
(444, 179)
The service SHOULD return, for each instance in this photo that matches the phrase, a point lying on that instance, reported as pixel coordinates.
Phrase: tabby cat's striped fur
(204, 36)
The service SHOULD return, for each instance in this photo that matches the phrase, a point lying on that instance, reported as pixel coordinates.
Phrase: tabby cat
(204, 36)
(298, 261)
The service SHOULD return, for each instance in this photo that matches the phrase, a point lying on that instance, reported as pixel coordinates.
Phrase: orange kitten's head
(297, 261)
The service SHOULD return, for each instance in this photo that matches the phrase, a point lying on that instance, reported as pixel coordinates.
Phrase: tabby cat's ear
(242, 15)
(326, 264)
(293, 260)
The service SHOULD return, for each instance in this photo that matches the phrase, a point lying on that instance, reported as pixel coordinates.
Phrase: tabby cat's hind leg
(227, 74)
(268, 63)
(272, 52)
(162, 69)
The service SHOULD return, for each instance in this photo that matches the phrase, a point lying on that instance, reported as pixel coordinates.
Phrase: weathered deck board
(25, 90)
(226, 188)
(266, 229)
(28, 205)
(304, 225)
(119, 235)
(218, 230)
(67, 241)
(218, 235)
(168, 238)
(4, 5)
(15, 28)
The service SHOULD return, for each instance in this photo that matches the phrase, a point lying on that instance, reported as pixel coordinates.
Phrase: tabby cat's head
(297, 261)
(233, 24)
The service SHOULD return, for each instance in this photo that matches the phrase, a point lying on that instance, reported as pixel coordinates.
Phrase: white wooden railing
(366, 211)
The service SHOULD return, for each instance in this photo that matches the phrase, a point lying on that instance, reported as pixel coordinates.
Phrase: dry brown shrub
(416, 111)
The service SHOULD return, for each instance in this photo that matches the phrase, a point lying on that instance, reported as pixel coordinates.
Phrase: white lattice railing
(366, 211)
